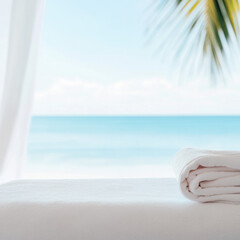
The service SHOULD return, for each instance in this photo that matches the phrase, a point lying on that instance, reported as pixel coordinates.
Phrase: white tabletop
(112, 209)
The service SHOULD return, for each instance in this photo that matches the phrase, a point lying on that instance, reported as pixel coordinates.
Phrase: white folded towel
(209, 176)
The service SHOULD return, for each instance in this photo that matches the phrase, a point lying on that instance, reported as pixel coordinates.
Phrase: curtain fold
(18, 85)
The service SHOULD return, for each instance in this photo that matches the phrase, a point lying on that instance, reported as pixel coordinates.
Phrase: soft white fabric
(209, 176)
(112, 209)
(17, 81)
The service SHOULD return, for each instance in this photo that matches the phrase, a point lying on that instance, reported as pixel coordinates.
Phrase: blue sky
(97, 40)
(94, 60)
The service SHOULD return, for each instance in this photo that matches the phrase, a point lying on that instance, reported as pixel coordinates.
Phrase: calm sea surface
(121, 146)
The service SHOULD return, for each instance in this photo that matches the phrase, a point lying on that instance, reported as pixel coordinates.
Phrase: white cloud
(135, 97)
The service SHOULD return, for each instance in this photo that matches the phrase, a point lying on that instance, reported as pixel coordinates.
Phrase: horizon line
(136, 115)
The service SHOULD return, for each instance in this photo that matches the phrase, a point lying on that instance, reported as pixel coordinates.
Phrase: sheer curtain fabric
(20, 24)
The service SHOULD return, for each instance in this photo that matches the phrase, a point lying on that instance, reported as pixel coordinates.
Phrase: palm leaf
(214, 21)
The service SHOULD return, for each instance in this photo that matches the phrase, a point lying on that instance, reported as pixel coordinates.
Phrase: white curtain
(17, 80)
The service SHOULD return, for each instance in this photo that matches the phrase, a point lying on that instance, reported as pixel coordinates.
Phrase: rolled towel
(209, 176)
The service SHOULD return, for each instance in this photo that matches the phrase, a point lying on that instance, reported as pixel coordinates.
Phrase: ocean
(122, 146)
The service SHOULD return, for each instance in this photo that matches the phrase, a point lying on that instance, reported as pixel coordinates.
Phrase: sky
(94, 59)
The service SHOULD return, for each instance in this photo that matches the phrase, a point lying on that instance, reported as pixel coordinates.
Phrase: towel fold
(209, 176)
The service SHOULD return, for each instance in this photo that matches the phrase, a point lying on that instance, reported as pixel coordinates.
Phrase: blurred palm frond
(212, 26)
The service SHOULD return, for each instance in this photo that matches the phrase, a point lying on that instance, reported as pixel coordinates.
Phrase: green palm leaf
(212, 25)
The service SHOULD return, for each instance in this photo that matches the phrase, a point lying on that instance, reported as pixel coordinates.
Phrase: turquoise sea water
(72, 144)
